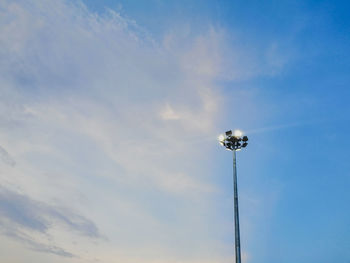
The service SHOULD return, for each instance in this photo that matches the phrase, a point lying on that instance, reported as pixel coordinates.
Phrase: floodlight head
(233, 141)
(221, 138)
(228, 133)
(238, 133)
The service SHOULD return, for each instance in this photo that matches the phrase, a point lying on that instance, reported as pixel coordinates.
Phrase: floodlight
(221, 137)
(238, 133)
(244, 144)
(233, 141)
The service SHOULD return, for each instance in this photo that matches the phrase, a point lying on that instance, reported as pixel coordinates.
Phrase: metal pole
(236, 215)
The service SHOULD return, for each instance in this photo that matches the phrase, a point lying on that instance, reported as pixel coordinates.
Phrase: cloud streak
(101, 118)
(21, 217)
(6, 158)
(105, 121)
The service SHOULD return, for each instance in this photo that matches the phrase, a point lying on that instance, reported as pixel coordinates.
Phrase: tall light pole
(235, 142)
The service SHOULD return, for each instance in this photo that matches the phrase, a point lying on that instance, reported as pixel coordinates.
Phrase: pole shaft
(236, 214)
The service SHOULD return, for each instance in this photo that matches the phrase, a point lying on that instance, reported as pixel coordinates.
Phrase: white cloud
(168, 113)
(102, 119)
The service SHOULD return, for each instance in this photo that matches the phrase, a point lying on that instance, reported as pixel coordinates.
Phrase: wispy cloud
(32, 244)
(6, 158)
(22, 218)
(104, 120)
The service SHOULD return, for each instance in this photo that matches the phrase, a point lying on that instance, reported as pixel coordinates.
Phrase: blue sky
(109, 116)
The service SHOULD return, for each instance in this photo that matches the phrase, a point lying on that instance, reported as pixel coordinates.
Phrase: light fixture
(233, 142)
(221, 138)
(237, 133)
(228, 133)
